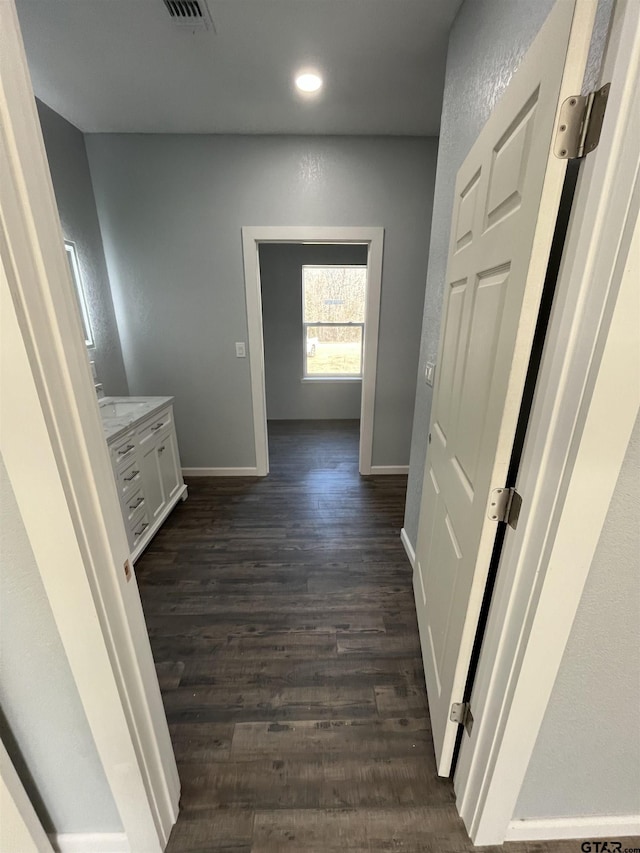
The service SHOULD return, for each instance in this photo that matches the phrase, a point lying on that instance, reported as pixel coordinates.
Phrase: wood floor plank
(374, 645)
(408, 699)
(276, 646)
(201, 742)
(206, 704)
(342, 671)
(311, 782)
(369, 738)
(365, 828)
(213, 831)
(221, 600)
(264, 624)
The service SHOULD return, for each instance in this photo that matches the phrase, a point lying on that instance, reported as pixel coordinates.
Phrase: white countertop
(119, 414)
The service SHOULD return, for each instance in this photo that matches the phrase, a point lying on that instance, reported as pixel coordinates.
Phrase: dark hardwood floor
(282, 623)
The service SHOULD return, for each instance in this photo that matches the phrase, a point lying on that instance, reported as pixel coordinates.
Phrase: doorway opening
(313, 322)
(312, 350)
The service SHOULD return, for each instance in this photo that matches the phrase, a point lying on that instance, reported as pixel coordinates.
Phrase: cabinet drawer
(132, 504)
(129, 478)
(124, 449)
(151, 429)
(139, 528)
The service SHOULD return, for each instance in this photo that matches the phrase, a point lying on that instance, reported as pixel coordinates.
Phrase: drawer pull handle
(136, 504)
(157, 426)
(142, 529)
(126, 449)
(134, 474)
(160, 449)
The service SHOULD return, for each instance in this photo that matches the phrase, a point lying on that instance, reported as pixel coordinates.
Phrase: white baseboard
(389, 469)
(90, 842)
(220, 472)
(552, 829)
(408, 547)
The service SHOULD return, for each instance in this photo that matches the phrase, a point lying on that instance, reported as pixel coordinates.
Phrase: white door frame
(57, 461)
(588, 387)
(373, 237)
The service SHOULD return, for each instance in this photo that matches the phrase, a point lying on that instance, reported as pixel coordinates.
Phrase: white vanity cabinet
(148, 474)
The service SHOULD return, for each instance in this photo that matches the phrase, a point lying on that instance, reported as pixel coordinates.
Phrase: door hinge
(505, 505)
(580, 124)
(461, 714)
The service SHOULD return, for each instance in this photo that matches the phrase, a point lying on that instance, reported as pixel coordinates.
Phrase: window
(333, 312)
(72, 257)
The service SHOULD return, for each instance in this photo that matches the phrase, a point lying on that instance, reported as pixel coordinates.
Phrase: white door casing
(506, 201)
(373, 237)
(52, 435)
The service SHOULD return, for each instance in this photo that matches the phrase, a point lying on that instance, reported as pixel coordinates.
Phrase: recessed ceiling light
(308, 82)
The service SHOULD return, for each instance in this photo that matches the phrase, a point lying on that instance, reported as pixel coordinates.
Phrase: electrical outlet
(241, 349)
(429, 373)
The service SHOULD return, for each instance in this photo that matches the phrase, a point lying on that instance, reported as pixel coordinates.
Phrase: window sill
(313, 379)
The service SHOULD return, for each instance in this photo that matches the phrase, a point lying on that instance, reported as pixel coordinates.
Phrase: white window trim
(72, 254)
(356, 380)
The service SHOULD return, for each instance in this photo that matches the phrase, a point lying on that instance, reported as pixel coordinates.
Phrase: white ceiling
(122, 65)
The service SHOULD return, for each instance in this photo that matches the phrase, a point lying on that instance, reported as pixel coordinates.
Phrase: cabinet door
(168, 461)
(154, 494)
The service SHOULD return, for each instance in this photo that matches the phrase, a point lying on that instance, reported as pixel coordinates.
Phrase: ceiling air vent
(189, 13)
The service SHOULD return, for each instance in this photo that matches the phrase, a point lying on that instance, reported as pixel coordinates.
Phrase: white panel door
(506, 202)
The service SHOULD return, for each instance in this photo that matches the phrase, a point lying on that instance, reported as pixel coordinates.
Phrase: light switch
(241, 350)
(429, 373)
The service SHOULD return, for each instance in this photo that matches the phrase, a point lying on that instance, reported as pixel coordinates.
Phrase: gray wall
(69, 167)
(42, 722)
(586, 759)
(487, 42)
(171, 210)
(288, 398)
